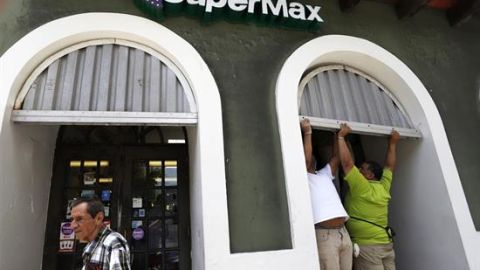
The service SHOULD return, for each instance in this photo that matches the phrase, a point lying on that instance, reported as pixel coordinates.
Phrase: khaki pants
(334, 249)
(375, 257)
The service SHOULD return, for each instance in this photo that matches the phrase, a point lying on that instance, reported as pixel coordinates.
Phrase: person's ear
(99, 218)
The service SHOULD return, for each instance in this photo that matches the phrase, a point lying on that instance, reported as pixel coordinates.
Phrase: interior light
(171, 163)
(90, 163)
(155, 163)
(75, 163)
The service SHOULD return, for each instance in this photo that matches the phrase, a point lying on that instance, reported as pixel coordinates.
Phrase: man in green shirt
(367, 205)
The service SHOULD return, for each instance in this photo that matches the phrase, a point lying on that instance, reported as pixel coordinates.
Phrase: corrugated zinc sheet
(340, 94)
(108, 78)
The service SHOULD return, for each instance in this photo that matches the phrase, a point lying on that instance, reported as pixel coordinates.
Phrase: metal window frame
(361, 128)
(104, 117)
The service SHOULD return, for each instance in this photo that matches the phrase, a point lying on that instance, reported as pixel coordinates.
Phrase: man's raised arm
(344, 152)
(335, 159)
(391, 158)
(307, 144)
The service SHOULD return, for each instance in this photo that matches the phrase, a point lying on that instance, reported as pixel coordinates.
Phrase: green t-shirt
(368, 200)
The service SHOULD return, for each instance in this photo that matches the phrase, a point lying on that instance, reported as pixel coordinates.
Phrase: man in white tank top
(333, 241)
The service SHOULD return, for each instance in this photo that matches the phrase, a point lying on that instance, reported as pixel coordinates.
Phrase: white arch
(432, 180)
(33, 146)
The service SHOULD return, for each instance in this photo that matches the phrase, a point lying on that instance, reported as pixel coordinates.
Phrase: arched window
(120, 83)
(332, 94)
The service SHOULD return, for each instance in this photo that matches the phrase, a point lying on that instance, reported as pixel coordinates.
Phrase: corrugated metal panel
(337, 93)
(109, 77)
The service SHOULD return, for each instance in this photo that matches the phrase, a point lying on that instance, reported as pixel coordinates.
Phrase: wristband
(341, 138)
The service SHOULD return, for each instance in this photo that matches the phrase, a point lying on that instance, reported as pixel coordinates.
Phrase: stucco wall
(420, 212)
(245, 60)
(25, 181)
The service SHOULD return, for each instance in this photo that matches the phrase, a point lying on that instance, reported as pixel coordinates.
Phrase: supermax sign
(266, 12)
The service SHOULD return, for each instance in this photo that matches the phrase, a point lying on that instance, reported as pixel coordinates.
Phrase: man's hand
(394, 137)
(306, 127)
(344, 130)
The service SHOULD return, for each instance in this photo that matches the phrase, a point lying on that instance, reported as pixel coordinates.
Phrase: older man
(333, 242)
(106, 249)
(367, 204)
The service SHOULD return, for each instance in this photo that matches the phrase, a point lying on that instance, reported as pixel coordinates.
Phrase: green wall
(245, 60)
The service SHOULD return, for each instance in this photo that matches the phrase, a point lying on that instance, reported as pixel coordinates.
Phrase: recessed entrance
(142, 182)
(33, 146)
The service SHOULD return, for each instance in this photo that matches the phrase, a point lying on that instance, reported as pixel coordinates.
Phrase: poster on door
(67, 237)
(69, 209)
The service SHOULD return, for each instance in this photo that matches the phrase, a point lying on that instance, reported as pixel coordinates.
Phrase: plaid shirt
(109, 251)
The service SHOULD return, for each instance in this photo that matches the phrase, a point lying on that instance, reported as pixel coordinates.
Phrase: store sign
(266, 12)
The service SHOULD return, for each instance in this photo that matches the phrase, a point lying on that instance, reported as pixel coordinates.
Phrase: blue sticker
(106, 195)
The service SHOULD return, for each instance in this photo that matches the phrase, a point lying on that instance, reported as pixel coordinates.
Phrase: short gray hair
(94, 205)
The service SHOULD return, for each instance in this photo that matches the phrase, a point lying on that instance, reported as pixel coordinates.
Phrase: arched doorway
(101, 83)
(428, 181)
(33, 145)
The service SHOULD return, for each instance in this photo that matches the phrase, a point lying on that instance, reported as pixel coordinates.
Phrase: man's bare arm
(307, 144)
(343, 150)
(335, 159)
(391, 158)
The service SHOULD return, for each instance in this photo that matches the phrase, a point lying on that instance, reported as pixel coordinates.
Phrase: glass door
(156, 219)
(145, 193)
(79, 172)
